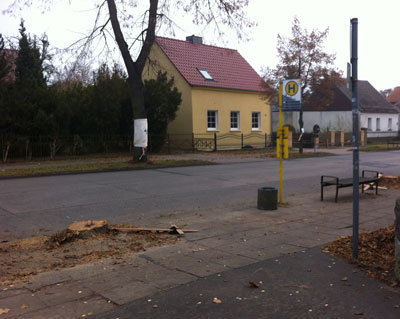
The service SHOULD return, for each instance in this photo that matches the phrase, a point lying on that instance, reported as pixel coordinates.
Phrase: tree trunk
(135, 69)
(301, 124)
(5, 151)
(139, 112)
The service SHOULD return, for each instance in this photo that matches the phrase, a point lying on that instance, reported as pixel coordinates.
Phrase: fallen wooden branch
(172, 230)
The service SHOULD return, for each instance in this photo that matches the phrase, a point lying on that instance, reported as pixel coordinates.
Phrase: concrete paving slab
(63, 292)
(41, 314)
(191, 266)
(216, 241)
(7, 291)
(83, 308)
(306, 242)
(331, 230)
(129, 291)
(286, 226)
(222, 258)
(106, 281)
(269, 250)
(164, 278)
(300, 285)
(183, 246)
(21, 304)
(46, 279)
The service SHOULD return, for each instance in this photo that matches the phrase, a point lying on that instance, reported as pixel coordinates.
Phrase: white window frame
(369, 124)
(378, 124)
(215, 120)
(237, 114)
(258, 128)
(206, 75)
(390, 124)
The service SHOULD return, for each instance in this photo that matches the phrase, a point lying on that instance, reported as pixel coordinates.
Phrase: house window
(205, 74)
(369, 124)
(235, 120)
(212, 120)
(255, 121)
(390, 124)
(378, 124)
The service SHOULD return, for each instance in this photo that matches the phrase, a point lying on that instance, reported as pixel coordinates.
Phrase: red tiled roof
(227, 67)
(394, 97)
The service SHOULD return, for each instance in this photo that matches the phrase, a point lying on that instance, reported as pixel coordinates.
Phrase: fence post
(342, 138)
(290, 139)
(215, 142)
(242, 140)
(168, 141)
(332, 138)
(26, 149)
(362, 137)
(193, 147)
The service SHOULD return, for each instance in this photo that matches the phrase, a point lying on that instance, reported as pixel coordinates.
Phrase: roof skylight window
(205, 74)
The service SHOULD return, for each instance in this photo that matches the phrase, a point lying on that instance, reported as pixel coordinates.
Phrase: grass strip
(95, 167)
(376, 148)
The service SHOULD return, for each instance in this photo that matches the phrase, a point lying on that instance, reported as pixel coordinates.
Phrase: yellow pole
(280, 140)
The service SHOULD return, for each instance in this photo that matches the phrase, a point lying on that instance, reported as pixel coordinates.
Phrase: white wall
(333, 121)
(384, 120)
(337, 121)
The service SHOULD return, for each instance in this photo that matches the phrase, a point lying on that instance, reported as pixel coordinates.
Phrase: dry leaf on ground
(253, 284)
(4, 310)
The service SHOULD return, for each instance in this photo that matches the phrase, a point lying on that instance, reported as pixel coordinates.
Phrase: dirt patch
(22, 259)
(391, 182)
(376, 253)
(376, 249)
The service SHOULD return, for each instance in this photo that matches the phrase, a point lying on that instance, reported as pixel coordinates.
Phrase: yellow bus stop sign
(291, 88)
(282, 142)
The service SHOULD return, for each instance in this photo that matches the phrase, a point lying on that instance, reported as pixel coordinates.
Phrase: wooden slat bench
(326, 180)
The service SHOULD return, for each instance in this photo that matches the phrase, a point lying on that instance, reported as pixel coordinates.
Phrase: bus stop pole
(280, 140)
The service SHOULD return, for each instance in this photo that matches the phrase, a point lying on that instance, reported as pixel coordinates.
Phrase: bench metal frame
(327, 180)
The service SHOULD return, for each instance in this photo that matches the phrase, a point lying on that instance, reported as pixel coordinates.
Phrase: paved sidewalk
(230, 245)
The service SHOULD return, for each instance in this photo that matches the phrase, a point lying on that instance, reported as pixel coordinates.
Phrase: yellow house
(221, 93)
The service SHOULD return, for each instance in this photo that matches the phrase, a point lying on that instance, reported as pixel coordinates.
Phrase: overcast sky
(378, 25)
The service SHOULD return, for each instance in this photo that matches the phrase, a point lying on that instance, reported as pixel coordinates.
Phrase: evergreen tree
(29, 65)
(31, 85)
(162, 100)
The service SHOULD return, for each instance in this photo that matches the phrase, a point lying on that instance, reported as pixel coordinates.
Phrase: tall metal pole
(280, 140)
(354, 100)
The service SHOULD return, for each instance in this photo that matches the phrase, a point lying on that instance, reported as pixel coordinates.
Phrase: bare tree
(302, 56)
(385, 93)
(124, 15)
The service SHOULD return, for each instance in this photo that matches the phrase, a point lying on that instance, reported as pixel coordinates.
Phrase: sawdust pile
(22, 259)
(391, 182)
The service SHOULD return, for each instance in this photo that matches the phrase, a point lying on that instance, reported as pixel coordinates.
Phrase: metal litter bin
(267, 198)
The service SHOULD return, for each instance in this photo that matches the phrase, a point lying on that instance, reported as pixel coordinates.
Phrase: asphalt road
(30, 206)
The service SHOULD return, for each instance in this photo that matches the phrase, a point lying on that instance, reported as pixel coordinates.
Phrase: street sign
(282, 142)
(291, 95)
(348, 77)
(316, 129)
